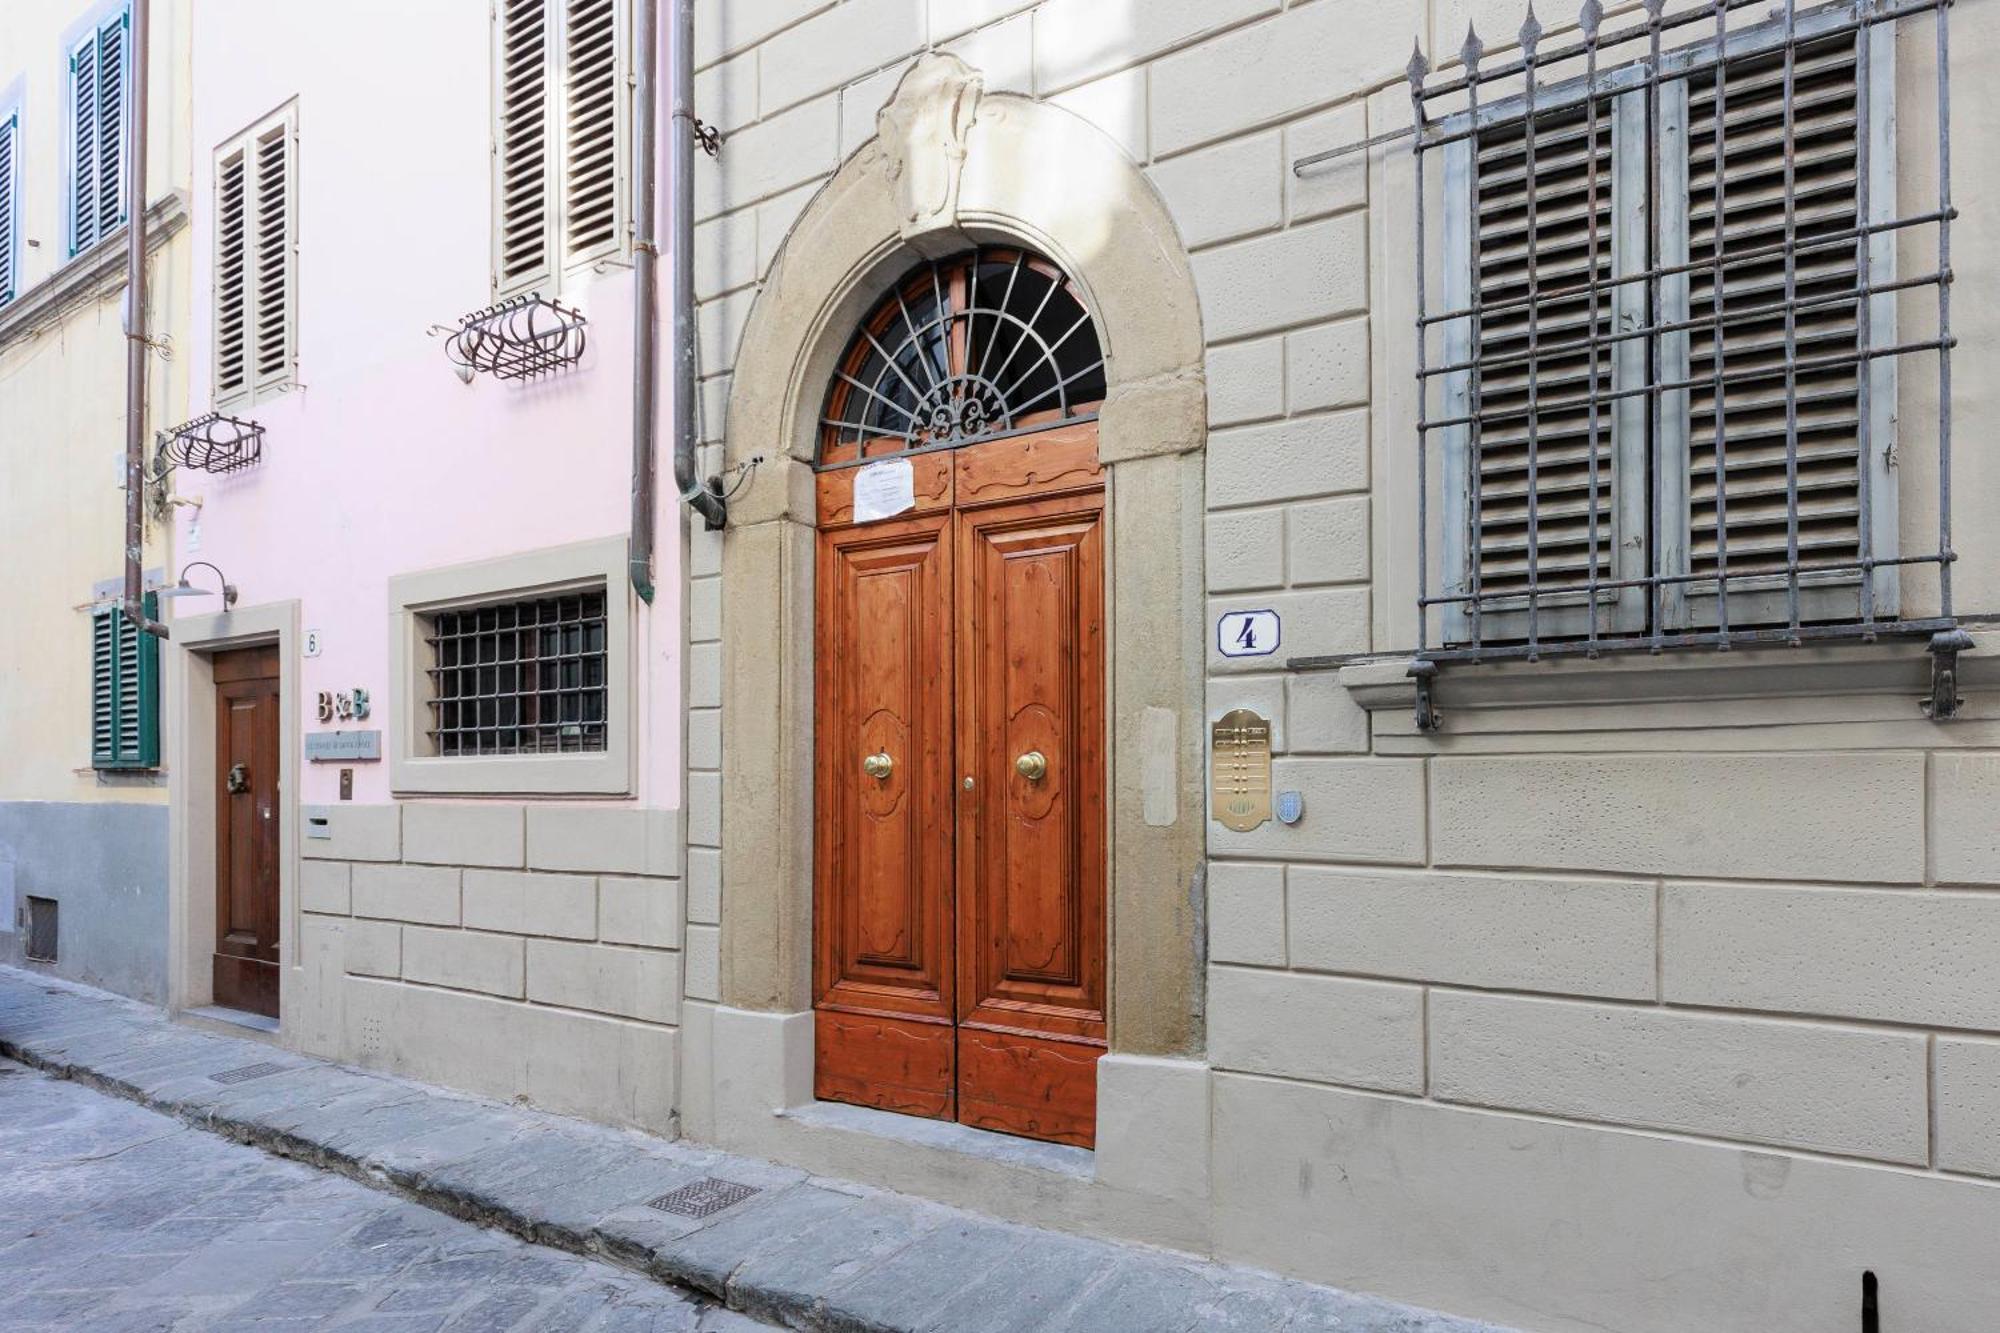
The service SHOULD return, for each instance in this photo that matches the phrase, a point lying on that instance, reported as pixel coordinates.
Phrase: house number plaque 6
(1240, 743)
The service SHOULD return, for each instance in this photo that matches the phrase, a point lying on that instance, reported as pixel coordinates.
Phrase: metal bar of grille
(520, 677)
(1590, 18)
(1944, 338)
(1742, 315)
(1864, 301)
(1789, 139)
(1717, 356)
(1469, 56)
(1790, 329)
(1531, 33)
(1737, 259)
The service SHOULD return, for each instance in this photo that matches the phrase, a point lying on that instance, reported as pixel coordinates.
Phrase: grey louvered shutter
(523, 146)
(10, 192)
(98, 94)
(1828, 115)
(593, 130)
(124, 690)
(276, 326)
(1584, 168)
(232, 279)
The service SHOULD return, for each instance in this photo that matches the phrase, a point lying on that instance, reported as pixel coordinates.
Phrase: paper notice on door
(884, 489)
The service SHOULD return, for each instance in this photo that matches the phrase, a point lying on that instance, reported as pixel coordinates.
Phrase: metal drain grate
(704, 1198)
(247, 1072)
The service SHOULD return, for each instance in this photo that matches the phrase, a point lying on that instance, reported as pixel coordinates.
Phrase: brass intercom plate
(1240, 745)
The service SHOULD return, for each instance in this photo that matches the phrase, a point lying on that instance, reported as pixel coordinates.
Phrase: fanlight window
(988, 343)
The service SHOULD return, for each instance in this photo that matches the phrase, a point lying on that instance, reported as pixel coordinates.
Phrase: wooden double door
(959, 894)
(246, 830)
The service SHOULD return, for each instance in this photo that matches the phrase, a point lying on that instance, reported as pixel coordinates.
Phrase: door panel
(959, 919)
(1031, 831)
(246, 854)
(883, 957)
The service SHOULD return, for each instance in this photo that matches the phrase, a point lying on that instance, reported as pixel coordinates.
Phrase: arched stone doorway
(953, 169)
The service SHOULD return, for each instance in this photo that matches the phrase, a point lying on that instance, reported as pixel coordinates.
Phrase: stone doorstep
(800, 1251)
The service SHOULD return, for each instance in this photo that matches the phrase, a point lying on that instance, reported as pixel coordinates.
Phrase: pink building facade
(364, 153)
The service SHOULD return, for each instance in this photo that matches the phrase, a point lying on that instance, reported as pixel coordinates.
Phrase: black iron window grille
(986, 344)
(1659, 390)
(518, 677)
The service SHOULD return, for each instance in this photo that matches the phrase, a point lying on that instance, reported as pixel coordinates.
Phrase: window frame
(1660, 458)
(415, 770)
(255, 389)
(87, 36)
(558, 267)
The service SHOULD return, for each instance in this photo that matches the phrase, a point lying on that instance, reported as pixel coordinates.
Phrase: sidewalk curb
(805, 1252)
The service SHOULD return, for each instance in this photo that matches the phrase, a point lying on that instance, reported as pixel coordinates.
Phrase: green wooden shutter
(124, 690)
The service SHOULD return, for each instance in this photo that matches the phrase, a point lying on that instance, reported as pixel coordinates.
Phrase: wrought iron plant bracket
(211, 443)
(520, 338)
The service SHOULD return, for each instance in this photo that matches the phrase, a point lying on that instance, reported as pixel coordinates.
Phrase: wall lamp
(186, 589)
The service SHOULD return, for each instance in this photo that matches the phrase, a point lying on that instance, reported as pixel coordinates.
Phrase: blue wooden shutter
(98, 73)
(10, 139)
(124, 690)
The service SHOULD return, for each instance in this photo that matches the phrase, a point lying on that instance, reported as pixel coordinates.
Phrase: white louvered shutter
(10, 187)
(593, 130)
(523, 146)
(98, 72)
(276, 337)
(1825, 123)
(232, 279)
(256, 262)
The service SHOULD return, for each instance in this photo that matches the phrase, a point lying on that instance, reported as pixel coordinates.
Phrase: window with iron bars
(1659, 390)
(518, 677)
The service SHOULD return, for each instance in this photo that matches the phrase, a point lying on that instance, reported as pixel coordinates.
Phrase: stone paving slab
(115, 1217)
(806, 1252)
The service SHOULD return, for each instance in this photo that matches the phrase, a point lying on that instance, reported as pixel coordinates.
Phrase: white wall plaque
(333, 746)
(884, 489)
(1247, 633)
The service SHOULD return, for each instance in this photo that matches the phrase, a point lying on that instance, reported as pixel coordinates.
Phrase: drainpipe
(135, 330)
(645, 317)
(706, 499)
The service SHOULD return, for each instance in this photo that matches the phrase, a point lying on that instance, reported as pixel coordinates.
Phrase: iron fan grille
(989, 343)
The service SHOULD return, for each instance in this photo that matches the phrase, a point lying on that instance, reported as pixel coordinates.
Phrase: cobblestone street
(117, 1219)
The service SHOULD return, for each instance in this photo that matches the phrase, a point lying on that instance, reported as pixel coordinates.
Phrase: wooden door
(959, 897)
(246, 830)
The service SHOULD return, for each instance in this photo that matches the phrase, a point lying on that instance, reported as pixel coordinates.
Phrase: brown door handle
(1034, 765)
(238, 779)
(878, 766)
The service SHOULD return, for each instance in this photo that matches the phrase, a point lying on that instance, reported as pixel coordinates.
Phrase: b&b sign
(1247, 633)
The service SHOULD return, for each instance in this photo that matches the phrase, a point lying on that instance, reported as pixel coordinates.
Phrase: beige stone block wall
(1647, 995)
(559, 986)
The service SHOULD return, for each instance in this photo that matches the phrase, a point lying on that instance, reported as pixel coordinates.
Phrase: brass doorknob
(1034, 765)
(878, 766)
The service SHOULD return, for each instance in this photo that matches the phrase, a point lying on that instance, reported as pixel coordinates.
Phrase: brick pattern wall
(515, 950)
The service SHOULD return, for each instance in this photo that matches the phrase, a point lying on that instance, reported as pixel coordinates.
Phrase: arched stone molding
(952, 166)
